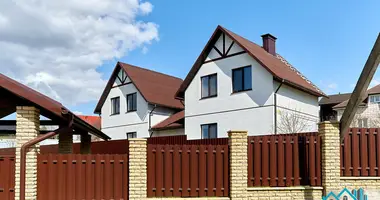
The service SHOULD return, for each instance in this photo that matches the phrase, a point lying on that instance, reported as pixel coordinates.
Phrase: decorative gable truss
(224, 47)
(121, 79)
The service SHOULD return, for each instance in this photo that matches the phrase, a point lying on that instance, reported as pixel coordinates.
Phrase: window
(115, 106)
(363, 123)
(209, 86)
(242, 79)
(374, 99)
(209, 131)
(131, 102)
(131, 135)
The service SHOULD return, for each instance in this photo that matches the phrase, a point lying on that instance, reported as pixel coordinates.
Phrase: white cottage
(135, 100)
(236, 84)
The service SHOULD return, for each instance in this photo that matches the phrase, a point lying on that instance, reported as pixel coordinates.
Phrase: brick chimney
(269, 43)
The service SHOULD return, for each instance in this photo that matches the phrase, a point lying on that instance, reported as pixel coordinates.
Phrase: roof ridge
(151, 70)
(282, 59)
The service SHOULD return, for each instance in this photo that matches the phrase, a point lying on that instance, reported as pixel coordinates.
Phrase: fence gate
(77, 177)
(7, 177)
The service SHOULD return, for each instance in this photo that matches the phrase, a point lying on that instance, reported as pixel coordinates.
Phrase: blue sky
(328, 41)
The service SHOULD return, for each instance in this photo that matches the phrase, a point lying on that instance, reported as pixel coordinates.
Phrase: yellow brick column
(27, 128)
(238, 142)
(65, 143)
(329, 131)
(137, 169)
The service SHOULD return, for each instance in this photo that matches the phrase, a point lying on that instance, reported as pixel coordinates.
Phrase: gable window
(363, 123)
(209, 86)
(131, 102)
(374, 99)
(115, 106)
(131, 135)
(209, 131)
(242, 79)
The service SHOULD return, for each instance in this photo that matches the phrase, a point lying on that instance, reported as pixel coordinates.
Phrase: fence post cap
(231, 131)
(329, 122)
(137, 139)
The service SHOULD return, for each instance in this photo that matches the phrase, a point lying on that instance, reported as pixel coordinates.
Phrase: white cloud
(56, 46)
(332, 86)
(78, 112)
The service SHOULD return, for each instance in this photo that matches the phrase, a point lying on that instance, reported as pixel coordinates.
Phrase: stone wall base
(371, 186)
(285, 193)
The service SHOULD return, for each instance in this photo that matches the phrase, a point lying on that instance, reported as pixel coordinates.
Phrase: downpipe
(150, 121)
(30, 143)
(275, 106)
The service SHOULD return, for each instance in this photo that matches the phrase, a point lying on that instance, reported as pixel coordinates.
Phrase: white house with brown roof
(236, 84)
(367, 115)
(135, 100)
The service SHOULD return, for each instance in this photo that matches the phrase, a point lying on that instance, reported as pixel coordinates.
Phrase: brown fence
(101, 147)
(75, 176)
(284, 160)
(193, 169)
(7, 177)
(360, 152)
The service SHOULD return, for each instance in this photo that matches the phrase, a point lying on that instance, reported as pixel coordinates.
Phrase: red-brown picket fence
(360, 152)
(195, 169)
(75, 176)
(284, 160)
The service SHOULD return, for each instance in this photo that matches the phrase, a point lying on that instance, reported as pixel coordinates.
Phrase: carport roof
(48, 105)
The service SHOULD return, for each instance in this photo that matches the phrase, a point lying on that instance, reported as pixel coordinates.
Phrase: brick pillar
(137, 169)
(65, 143)
(329, 131)
(85, 144)
(27, 128)
(238, 141)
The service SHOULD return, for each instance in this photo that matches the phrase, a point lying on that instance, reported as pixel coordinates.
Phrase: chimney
(269, 43)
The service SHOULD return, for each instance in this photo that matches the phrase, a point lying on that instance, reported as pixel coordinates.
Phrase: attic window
(115, 106)
(242, 79)
(209, 86)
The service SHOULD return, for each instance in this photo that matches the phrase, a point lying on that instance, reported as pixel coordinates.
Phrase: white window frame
(374, 98)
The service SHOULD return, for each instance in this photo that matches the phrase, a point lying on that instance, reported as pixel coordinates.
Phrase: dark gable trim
(200, 60)
(223, 57)
(122, 84)
(109, 86)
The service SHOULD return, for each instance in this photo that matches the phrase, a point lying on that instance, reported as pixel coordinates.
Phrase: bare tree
(291, 122)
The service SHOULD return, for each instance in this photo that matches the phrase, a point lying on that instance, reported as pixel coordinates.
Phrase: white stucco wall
(116, 126)
(298, 104)
(249, 110)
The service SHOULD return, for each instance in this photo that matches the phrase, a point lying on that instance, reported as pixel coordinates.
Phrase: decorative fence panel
(360, 153)
(193, 169)
(75, 176)
(284, 160)
(7, 177)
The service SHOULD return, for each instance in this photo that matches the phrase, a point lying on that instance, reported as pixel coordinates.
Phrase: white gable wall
(116, 126)
(250, 110)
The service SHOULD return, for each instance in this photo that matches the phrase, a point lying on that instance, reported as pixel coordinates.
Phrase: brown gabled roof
(46, 104)
(371, 91)
(334, 99)
(276, 65)
(374, 90)
(155, 87)
(171, 122)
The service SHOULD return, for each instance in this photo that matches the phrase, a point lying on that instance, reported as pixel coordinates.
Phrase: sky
(68, 49)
